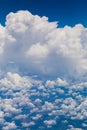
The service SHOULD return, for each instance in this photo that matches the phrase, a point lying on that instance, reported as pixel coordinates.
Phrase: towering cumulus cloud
(32, 44)
(38, 62)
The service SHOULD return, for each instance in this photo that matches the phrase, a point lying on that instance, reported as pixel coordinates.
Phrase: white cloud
(37, 51)
(10, 126)
(25, 124)
(50, 83)
(37, 46)
(29, 45)
(61, 82)
(50, 122)
(73, 128)
(30, 101)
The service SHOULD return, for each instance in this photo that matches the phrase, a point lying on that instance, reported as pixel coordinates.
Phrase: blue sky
(66, 12)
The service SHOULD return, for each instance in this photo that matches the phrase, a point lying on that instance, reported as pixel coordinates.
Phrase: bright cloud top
(30, 43)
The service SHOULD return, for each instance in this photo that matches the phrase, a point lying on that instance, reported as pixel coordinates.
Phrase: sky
(66, 12)
(43, 65)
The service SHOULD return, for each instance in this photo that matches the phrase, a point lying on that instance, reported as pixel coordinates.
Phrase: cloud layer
(30, 104)
(31, 44)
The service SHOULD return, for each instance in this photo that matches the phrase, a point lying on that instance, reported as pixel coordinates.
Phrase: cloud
(10, 126)
(32, 48)
(49, 122)
(31, 44)
(73, 128)
(30, 103)
(61, 82)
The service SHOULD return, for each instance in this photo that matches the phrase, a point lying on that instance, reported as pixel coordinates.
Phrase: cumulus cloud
(73, 128)
(31, 44)
(29, 103)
